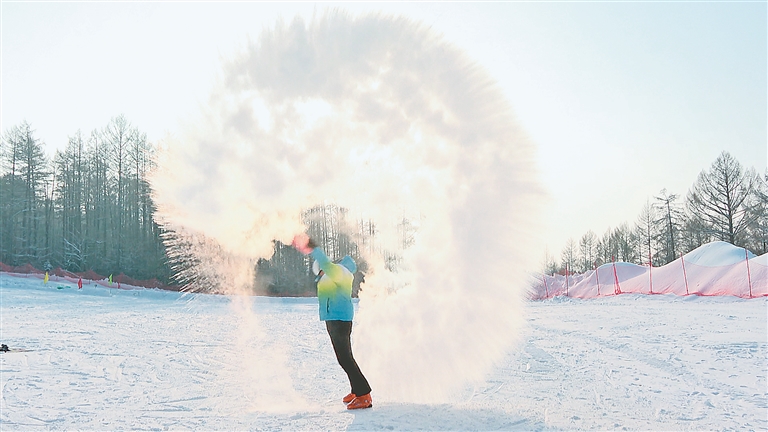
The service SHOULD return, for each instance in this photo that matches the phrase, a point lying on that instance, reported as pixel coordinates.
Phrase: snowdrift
(714, 269)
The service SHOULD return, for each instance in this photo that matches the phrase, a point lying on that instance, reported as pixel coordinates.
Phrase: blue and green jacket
(334, 288)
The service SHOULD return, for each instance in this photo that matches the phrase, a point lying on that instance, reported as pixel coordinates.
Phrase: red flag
(80, 284)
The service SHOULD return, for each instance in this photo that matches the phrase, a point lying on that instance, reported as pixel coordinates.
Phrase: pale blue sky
(622, 99)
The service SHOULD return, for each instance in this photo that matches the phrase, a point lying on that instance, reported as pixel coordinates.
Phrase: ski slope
(147, 359)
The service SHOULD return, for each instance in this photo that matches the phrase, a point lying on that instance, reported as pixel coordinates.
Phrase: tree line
(727, 202)
(87, 208)
(90, 208)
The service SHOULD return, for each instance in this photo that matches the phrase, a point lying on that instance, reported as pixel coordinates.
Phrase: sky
(621, 99)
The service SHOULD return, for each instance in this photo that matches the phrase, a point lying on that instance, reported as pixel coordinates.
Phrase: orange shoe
(360, 402)
(348, 398)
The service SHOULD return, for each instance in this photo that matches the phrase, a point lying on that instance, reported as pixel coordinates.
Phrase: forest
(89, 209)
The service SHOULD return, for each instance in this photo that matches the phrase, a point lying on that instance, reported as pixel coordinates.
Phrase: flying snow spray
(381, 116)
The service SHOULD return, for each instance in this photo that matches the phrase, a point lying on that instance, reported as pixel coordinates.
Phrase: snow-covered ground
(149, 359)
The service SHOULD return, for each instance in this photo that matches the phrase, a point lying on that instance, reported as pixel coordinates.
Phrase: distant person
(334, 294)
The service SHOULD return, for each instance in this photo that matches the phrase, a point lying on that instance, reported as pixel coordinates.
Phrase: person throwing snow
(334, 294)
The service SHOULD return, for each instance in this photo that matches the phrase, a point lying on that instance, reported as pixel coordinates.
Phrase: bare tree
(618, 244)
(118, 135)
(720, 199)
(568, 255)
(757, 230)
(668, 225)
(587, 249)
(549, 264)
(99, 197)
(694, 234)
(407, 231)
(32, 168)
(11, 193)
(366, 235)
(625, 244)
(70, 171)
(645, 229)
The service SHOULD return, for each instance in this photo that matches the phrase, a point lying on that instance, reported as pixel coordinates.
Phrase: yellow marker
(45, 280)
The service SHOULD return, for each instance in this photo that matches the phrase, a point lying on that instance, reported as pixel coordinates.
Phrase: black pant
(340, 332)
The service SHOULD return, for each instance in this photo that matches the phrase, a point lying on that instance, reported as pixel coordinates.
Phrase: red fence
(746, 279)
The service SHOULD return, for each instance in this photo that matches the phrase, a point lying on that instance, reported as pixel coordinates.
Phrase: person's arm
(332, 270)
(304, 244)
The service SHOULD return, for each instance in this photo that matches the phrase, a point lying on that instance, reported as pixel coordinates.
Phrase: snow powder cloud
(380, 115)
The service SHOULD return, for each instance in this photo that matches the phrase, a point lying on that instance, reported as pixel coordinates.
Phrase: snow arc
(379, 115)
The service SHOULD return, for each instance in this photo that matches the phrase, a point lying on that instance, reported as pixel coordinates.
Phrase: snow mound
(624, 270)
(714, 269)
(761, 260)
(717, 254)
